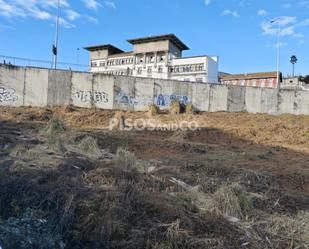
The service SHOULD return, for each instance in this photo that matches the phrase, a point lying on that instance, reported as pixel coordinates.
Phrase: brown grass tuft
(153, 110)
(175, 108)
(125, 159)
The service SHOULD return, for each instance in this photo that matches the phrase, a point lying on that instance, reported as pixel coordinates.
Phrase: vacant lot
(66, 181)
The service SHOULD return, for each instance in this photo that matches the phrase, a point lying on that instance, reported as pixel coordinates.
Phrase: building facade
(154, 57)
(264, 79)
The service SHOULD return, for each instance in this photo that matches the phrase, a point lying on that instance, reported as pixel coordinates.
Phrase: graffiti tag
(88, 96)
(124, 99)
(165, 100)
(7, 94)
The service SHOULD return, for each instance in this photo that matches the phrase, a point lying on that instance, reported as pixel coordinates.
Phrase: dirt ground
(240, 181)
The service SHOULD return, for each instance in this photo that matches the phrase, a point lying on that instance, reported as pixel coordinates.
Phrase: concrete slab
(302, 103)
(218, 98)
(103, 91)
(286, 102)
(36, 87)
(81, 91)
(144, 91)
(269, 101)
(124, 92)
(200, 96)
(236, 101)
(59, 88)
(12, 83)
(254, 100)
(166, 91)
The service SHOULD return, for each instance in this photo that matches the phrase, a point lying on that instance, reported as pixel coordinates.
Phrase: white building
(154, 57)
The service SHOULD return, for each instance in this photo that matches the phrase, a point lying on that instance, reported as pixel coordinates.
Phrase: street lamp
(55, 45)
(293, 61)
(277, 20)
(77, 58)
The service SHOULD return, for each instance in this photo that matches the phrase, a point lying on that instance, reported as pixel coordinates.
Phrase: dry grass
(55, 126)
(125, 159)
(190, 109)
(214, 201)
(230, 200)
(89, 147)
(153, 110)
(175, 108)
(289, 231)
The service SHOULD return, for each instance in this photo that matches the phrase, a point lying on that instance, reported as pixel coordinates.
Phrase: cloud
(228, 12)
(304, 23)
(6, 27)
(46, 10)
(72, 15)
(207, 2)
(262, 12)
(304, 4)
(285, 23)
(288, 26)
(110, 4)
(92, 20)
(92, 4)
(287, 5)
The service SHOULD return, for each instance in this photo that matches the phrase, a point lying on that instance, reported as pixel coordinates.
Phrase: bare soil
(240, 181)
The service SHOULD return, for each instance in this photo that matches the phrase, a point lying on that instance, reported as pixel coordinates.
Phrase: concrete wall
(36, 87)
(59, 87)
(42, 87)
(12, 86)
(81, 91)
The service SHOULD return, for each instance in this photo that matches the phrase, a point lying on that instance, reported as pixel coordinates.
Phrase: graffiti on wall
(7, 94)
(124, 99)
(89, 96)
(165, 100)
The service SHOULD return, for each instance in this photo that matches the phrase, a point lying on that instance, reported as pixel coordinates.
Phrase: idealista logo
(151, 125)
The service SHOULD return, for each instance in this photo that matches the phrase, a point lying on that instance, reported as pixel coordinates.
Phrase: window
(139, 70)
(199, 79)
(149, 70)
(102, 63)
(160, 69)
(186, 79)
(93, 64)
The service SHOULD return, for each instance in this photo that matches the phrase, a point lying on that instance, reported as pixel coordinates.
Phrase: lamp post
(277, 20)
(293, 61)
(55, 45)
(77, 58)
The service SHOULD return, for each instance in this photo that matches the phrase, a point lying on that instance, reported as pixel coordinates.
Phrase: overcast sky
(240, 32)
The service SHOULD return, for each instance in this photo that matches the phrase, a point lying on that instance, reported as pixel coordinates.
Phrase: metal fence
(26, 62)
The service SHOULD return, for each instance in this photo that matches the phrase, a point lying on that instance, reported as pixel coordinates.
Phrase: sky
(240, 32)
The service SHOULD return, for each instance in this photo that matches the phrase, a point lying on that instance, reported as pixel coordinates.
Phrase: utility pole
(277, 20)
(55, 45)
